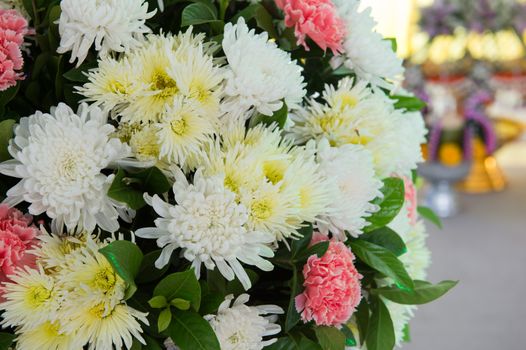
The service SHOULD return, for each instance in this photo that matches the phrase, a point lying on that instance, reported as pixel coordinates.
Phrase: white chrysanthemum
(182, 131)
(259, 74)
(210, 227)
(112, 25)
(29, 300)
(353, 114)
(139, 86)
(47, 336)
(59, 157)
(355, 186)
(54, 249)
(242, 327)
(366, 51)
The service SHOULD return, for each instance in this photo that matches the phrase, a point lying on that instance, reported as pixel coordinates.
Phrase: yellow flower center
(348, 100)
(231, 184)
(99, 311)
(305, 197)
(199, 93)
(262, 209)
(274, 170)
(179, 126)
(329, 121)
(117, 87)
(51, 329)
(37, 295)
(164, 83)
(104, 279)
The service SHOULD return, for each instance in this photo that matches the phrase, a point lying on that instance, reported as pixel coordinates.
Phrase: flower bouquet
(205, 175)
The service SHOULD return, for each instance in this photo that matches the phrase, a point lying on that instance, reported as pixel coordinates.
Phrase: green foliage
(294, 343)
(390, 204)
(387, 238)
(121, 191)
(125, 257)
(382, 260)
(409, 103)
(380, 335)
(429, 214)
(423, 292)
(148, 272)
(191, 332)
(6, 340)
(165, 317)
(180, 285)
(6, 134)
(198, 13)
(330, 338)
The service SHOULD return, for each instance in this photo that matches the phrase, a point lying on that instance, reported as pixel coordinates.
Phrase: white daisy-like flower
(256, 71)
(354, 114)
(59, 157)
(355, 185)
(30, 299)
(112, 25)
(210, 227)
(242, 327)
(49, 335)
(182, 131)
(366, 51)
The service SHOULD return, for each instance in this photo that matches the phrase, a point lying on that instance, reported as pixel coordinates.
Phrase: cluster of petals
(316, 19)
(332, 286)
(17, 238)
(13, 28)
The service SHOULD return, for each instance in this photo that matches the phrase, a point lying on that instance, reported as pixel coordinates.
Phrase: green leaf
(362, 319)
(183, 285)
(198, 13)
(6, 340)
(181, 304)
(151, 343)
(7, 95)
(318, 249)
(387, 238)
(429, 214)
(210, 303)
(382, 260)
(423, 293)
(6, 134)
(261, 15)
(123, 193)
(158, 302)
(394, 44)
(79, 75)
(350, 340)
(136, 345)
(407, 334)
(381, 334)
(293, 316)
(190, 331)
(279, 118)
(390, 204)
(409, 103)
(289, 343)
(148, 272)
(299, 245)
(153, 180)
(125, 257)
(165, 317)
(330, 338)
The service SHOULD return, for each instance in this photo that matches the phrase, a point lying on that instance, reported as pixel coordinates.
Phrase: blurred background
(467, 60)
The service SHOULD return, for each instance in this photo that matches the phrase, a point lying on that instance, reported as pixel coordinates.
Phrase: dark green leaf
(197, 13)
(151, 343)
(387, 238)
(148, 272)
(293, 316)
(289, 343)
(136, 345)
(350, 340)
(165, 317)
(423, 293)
(7, 95)
(210, 303)
(181, 304)
(390, 205)
(190, 331)
(6, 339)
(383, 261)
(6, 134)
(330, 338)
(153, 180)
(278, 118)
(409, 103)
(429, 214)
(183, 285)
(79, 74)
(381, 334)
(362, 319)
(262, 16)
(121, 192)
(125, 257)
(299, 245)
(318, 249)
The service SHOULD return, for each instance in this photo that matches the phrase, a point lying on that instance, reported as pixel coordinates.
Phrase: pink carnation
(411, 200)
(332, 286)
(17, 236)
(317, 19)
(13, 28)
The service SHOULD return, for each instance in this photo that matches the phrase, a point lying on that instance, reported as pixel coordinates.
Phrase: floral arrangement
(205, 175)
